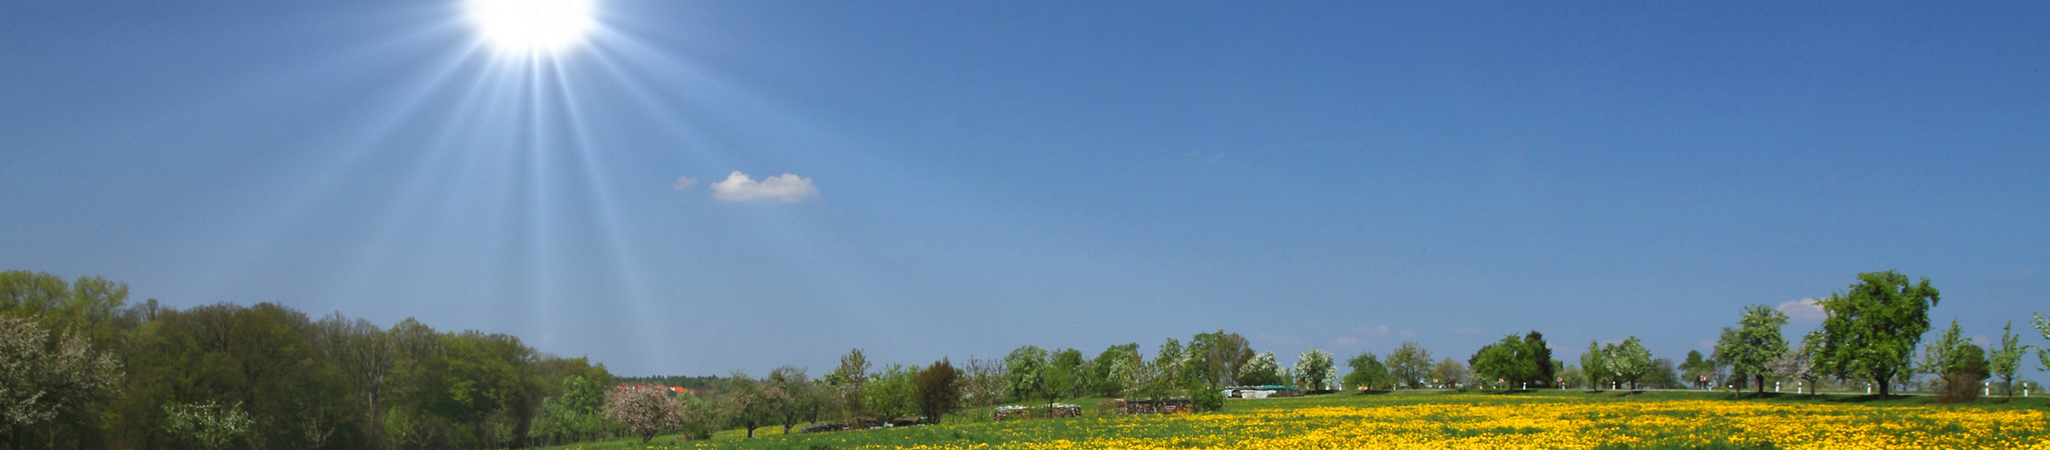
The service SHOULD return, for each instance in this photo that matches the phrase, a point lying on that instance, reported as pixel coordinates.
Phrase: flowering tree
(209, 423)
(37, 382)
(1314, 368)
(645, 412)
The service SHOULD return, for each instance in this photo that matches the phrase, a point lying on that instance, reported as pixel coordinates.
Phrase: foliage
(1367, 372)
(890, 392)
(800, 399)
(39, 379)
(1065, 375)
(1410, 364)
(1872, 329)
(1216, 358)
(750, 405)
(985, 382)
(2042, 353)
(850, 379)
(2005, 360)
(1103, 379)
(645, 412)
(1451, 374)
(209, 423)
(1314, 368)
(938, 390)
(1629, 362)
(1750, 348)
(1261, 370)
(1525, 362)
(1697, 370)
(1573, 377)
(1027, 372)
(1207, 399)
(1797, 363)
(1947, 354)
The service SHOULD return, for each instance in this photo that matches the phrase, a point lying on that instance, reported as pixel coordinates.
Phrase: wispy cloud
(785, 188)
(1407, 333)
(1465, 330)
(683, 183)
(1803, 309)
(1345, 341)
(1371, 330)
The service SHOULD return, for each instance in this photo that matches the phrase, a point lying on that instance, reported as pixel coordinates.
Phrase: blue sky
(969, 177)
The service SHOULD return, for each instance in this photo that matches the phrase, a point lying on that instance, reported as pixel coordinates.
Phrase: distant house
(674, 389)
(1262, 391)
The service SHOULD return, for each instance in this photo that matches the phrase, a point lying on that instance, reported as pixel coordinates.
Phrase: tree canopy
(1872, 328)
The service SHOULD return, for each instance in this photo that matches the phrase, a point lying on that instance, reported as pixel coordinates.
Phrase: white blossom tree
(644, 412)
(213, 425)
(1314, 368)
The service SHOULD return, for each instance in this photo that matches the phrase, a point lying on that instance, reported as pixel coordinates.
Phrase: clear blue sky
(968, 177)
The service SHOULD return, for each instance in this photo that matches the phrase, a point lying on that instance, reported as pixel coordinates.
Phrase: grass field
(1543, 419)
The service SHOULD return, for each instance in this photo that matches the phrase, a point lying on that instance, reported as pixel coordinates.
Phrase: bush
(1207, 399)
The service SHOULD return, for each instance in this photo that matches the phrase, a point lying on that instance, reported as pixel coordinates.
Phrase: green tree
(1102, 381)
(938, 389)
(43, 377)
(1314, 369)
(1629, 362)
(849, 380)
(1262, 370)
(1596, 366)
(750, 404)
(1521, 363)
(1367, 372)
(1217, 357)
(1872, 329)
(793, 386)
(210, 424)
(2042, 353)
(1170, 357)
(1410, 364)
(1943, 356)
(1065, 374)
(1027, 375)
(2006, 360)
(1750, 348)
(1450, 373)
(1572, 376)
(1697, 370)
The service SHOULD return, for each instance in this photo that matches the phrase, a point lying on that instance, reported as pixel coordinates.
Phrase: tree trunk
(1761, 383)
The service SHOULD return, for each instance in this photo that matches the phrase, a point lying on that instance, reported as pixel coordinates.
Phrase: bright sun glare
(531, 27)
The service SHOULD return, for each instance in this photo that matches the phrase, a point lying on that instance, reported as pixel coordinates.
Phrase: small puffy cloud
(785, 188)
(683, 183)
(1803, 309)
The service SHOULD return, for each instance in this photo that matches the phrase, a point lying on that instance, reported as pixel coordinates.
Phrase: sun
(531, 27)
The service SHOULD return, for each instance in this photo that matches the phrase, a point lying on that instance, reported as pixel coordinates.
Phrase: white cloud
(1803, 309)
(683, 183)
(1465, 330)
(1345, 341)
(1376, 330)
(1407, 333)
(785, 188)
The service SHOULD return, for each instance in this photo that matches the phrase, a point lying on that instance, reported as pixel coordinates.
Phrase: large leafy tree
(2042, 353)
(1410, 364)
(1101, 379)
(40, 379)
(1314, 368)
(1697, 369)
(1751, 348)
(1595, 366)
(938, 390)
(1261, 370)
(1629, 361)
(1027, 375)
(1525, 362)
(1367, 372)
(645, 412)
(1215, 358)
(1873, 327)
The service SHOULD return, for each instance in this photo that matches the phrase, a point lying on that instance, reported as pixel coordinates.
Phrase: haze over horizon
(706, 186)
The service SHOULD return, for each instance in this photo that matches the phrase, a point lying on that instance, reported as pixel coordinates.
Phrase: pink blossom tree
(644, 412)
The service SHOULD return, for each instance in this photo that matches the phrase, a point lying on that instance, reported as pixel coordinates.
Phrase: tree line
(83, 368)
